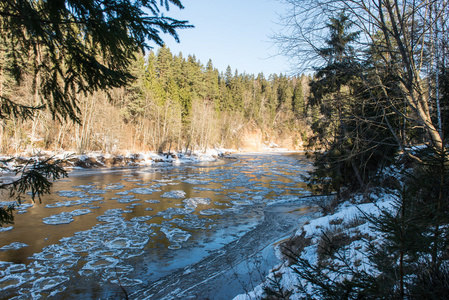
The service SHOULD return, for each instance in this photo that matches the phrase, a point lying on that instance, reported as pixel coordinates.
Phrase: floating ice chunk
(13, 246)
(177, 194)
(118, 243)
(96, 192)
(195, 181)
(149, 209)
(141, 219)
(116, 186)
(134, 205)
(59, 290)
(25, 205)
(132, 180)
(176, 236)
(126, 281)
(143, 191)
(212, 211)
(91, 206)
(85, 186)
(241, 202)
(71, 194)
(92, 198)
(132, 253)
(112, 273)
(163, 180)
(158, 185)
(138, 242)
(152, 201)
(80, 212)
(169, 212)
(199, 188)
(62, 218)
(122, 193)
(102, 263)
(47, 283)
(11, 281)
(63, 204)
(235, 196)
(65, 217)
(3, 229)
(127, 199)
(15, 268)
(111, 215)
(194, 202)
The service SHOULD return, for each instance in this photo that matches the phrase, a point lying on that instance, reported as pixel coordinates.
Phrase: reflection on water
(94, 230)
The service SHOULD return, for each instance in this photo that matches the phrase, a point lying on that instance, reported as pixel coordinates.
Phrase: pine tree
(71, 47)
(298, 103)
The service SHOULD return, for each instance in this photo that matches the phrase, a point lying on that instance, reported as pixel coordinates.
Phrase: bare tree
(398, 33)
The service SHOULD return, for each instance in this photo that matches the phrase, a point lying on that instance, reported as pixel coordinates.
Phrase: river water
(154, 232)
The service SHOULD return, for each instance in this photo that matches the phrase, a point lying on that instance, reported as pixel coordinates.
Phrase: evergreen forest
(172, 103)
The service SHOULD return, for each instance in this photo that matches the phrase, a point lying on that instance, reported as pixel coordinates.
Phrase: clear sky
(231, 32)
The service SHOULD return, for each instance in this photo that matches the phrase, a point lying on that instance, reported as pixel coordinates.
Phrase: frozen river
(152, 232)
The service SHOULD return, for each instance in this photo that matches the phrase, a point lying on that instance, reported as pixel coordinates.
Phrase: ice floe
(174, 194)
(141, 219)
(96, 191)
(85, 186)
(174, 211)
(13, 246)
(47, 283)
(211, 211)
(65, 217)
(175, 236)
(69, 203)
(71, 194)
(116, 186)
(11, 281)
(4, 229)
(143, 191)
(196, 181)
(194, 202)
(152, 201)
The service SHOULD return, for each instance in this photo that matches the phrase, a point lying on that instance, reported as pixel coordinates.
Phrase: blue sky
(231, 32)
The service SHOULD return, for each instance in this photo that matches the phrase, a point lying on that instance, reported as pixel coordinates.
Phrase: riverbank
(72, 161)
(100, 160)
(341, 238)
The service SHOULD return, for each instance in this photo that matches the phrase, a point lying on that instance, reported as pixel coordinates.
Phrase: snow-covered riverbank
(346, 227)
(91, 160)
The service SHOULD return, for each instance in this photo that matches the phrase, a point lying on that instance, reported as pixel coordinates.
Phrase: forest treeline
(173, 103)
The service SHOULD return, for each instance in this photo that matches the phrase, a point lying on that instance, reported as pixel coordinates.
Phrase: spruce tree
(298, 104)
(71, 47)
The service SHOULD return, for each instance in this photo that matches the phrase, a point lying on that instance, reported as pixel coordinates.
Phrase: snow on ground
(101, 160)
(348, 217)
